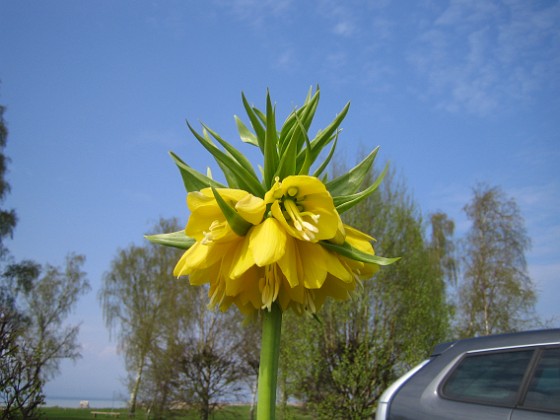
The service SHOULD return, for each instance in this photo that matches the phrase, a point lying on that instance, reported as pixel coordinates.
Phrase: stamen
(270, 286)
(217, 297)
(309, 302)
(306, 228)
(310, 227)
(214, 232)
(207, 238)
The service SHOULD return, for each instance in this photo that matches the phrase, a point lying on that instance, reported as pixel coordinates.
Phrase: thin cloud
(344, 28)
(342, 17)
(255, 12)
(479, 56)
(467, 11)
(287, 60)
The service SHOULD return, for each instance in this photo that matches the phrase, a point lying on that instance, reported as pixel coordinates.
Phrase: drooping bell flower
(274, 242)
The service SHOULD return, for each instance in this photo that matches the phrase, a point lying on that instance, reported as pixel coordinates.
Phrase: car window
(544, 387)
(489, 378)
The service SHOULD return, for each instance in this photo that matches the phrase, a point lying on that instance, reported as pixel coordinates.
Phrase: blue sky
(455, 93)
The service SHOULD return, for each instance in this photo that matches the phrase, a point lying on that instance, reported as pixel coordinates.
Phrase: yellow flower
(280, 258)
(217, 246)
(274, 242)
(305, 208)
(207, 221)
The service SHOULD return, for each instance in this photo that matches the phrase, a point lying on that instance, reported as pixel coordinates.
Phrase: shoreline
(74, 402)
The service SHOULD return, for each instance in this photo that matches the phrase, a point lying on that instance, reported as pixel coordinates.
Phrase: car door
(541, 396)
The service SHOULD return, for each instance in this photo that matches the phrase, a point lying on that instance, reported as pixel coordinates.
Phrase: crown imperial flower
(278, 242)
(280, 238)
(304, 207)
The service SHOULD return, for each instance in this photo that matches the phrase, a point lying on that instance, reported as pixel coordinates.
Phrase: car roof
(499, 341)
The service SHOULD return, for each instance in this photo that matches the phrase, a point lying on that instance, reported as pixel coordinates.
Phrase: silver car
(506, 377)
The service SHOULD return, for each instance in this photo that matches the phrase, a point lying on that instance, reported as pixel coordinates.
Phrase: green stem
(268, 368)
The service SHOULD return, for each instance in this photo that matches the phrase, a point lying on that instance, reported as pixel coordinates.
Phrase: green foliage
(175, 348)
(496, 292)
(35, 303)
(146, 307)
(216, 357)
(340, 365)
(223, 412)
(8, 218)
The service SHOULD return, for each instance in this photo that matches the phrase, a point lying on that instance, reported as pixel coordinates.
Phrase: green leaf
(323, 138)
(244, 179)
(286, 131)
(244, 133)
(346, 202)
(236, 154)
(305, 115)
(237, 223)
(347, 250)
(287, 164)
(255, 122)
(260, 115)
(319, 171)
(351, 181)
(303, 168)
(288, 157)
(175, 239)
(231, 175)
(308, 110)
(192, 179)
(271, 158)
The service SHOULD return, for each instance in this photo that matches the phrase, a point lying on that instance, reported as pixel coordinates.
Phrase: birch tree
(360, 346)
(496, 293)
(39, 300)
(137, 294)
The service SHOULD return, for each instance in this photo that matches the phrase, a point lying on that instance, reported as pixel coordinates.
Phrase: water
(93, 402)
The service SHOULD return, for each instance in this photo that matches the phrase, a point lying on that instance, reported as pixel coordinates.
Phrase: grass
(226, 413)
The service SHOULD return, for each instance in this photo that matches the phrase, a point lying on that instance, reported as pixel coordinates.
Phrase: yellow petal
(309, 208)
(232, 195)
(337, 269)
(340, 235)
(251, 208)
(355, 235)
(290, 294)
(277, 214)
(267, 242)
(201, 200)
(313, 258)
(275, 193)
(304, 184)
(205, 210)
(242, 258)
(203, 276)
(332, 288)
(194, 258)
(290, 263)
(245, 287)
(327, 223)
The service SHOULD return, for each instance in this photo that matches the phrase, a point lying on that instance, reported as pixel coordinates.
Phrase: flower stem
(268, 368)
